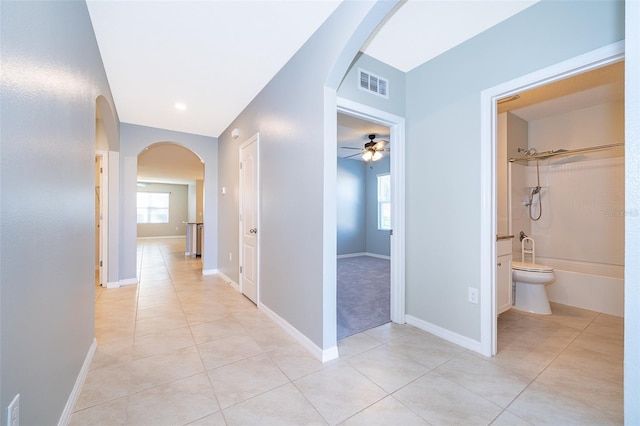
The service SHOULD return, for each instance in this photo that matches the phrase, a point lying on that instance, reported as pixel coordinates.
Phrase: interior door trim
(396, 125)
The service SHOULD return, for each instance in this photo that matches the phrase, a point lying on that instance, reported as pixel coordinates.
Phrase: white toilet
(530, 280)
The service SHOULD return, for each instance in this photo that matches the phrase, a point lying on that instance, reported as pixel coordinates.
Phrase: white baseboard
(129, 281)
(229, 281)
(317, 352)
(343, 256)
(445, 334)
(209, 271)
(77, 387)
(121, 283)
(379, 256)
(164, 236)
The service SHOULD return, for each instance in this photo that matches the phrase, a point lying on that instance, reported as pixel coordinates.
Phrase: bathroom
(560, 181)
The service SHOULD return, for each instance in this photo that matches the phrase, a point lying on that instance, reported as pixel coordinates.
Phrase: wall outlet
(473, 295)
(13, 412)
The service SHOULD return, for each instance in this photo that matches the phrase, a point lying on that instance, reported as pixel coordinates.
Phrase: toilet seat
(531, 267)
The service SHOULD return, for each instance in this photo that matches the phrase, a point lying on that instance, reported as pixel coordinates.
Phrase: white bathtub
(591, 286)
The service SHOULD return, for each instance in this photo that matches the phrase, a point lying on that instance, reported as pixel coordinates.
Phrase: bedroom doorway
(370, 225)
(363, 225)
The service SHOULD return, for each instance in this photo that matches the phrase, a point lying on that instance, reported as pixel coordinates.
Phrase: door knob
(253, 230)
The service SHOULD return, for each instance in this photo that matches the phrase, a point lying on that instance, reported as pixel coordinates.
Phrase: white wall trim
(344, 256)
(632, 221)
(396, 125)
(162, 237)
(128, 281)
(378, 256)
(488, 116)
(210, 272)
(77, 387)
(364, 253)
(227, 280)
(443, 333)
(112, 284)
(317, 352)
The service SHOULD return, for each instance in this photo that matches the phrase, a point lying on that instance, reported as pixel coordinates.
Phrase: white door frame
(397, 143)
(255, 138)
(104, 211)
(488, 121)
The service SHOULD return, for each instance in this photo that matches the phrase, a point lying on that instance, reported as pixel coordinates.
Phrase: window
(384, 202)
(153, 207)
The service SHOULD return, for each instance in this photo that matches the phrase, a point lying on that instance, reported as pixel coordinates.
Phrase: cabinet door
(503, 287)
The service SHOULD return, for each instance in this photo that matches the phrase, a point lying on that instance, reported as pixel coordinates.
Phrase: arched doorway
(106, 141)
(170, 194)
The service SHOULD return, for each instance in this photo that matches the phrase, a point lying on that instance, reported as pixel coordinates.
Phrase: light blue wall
(357, 203)
(133, 139)
(443, 140)
(378, 242)
(295, 126)
(349, 88)
(351, 199)
(52, 75)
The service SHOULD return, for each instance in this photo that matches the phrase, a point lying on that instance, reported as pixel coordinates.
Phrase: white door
(98, 221)
(249, 196)
(101, 217)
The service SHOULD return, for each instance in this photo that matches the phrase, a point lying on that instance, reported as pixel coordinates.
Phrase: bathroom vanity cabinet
(503, 275)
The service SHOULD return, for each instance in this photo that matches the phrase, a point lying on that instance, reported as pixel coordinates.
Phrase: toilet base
(532, 298)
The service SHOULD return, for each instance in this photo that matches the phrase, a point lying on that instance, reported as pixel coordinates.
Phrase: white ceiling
(214, 56)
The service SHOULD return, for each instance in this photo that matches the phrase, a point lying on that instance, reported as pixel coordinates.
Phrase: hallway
(181, 348)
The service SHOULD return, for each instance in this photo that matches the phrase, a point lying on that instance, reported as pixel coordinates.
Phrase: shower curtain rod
(562, 152)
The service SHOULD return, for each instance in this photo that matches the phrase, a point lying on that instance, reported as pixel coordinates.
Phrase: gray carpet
(363, 294)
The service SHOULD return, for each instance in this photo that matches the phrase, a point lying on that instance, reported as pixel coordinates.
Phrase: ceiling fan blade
(350, 147)
(353, 155)
(384, 150)
(380, 144)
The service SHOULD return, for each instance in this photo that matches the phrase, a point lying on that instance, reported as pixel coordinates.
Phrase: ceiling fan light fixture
(367, 156)
(376, 156)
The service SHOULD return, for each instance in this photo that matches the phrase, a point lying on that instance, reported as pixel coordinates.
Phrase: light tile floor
(180, 348)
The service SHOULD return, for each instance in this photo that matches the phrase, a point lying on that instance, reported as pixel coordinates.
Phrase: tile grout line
(547, 366)
(206, 372)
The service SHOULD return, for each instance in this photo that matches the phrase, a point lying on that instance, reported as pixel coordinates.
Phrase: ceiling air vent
(373, 83)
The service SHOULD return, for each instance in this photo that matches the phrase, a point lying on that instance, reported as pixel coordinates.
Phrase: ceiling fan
(372, 150)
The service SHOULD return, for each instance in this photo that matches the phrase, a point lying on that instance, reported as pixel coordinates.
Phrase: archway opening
(170, 195)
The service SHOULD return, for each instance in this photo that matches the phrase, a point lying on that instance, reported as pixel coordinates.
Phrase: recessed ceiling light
(180, 106)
